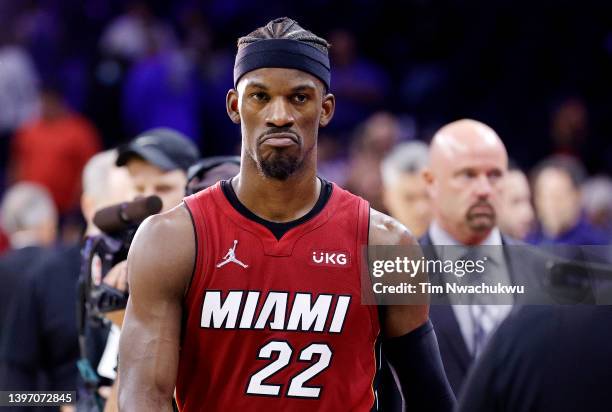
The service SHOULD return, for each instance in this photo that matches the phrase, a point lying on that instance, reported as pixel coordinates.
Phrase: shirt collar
(440, 237)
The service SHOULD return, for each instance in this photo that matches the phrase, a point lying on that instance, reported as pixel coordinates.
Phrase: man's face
(280, 112)
(467, 190)
(557, 201)
(150, 180)
(516, 213)
(408, 202)
(120, 187)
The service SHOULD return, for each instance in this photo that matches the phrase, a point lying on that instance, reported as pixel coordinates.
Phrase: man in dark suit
(29, 218)
(464, 179)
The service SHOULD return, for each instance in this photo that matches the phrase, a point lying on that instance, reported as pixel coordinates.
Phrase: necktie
(484, 320)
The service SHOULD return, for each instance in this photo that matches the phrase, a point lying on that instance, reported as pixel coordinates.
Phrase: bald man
(468, 163)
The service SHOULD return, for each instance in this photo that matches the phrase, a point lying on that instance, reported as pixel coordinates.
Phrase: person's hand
(117, 277)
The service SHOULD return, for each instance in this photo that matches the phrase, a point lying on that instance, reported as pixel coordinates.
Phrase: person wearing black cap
(158, 161)
(247, 296)
(209, 171)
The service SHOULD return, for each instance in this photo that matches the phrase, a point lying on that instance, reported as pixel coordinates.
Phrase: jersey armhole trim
(197, 263)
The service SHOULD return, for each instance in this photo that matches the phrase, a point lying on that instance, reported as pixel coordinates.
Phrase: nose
(279, 113)
(147, 191)
(483, 187)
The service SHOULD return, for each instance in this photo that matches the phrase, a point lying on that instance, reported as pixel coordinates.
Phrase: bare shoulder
(385, 230)
(397, 319)
(163, 251)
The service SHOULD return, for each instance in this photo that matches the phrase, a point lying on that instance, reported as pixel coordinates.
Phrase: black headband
(283, 53)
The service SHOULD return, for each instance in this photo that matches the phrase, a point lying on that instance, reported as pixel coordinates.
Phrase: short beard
(481, 226)
(280, 167)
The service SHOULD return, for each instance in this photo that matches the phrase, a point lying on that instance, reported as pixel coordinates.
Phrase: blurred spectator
(44, 336)
(135, 33)
(570, 127)
(18, 93)
(18, 87)
(332, 161)
(572, 134)
(597, 202)
(29, 216)
(157, 161)
(360, 86)
(42, 349)
(30, 219)
(162, 88)
(38, 28)
(53, 149)
(557, 198)
(209, 171)
(373, 140)
(515, 214)
(104, 184)
(404, 193)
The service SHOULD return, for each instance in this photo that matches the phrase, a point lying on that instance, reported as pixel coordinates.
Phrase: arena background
(537, 72)
(511, 64)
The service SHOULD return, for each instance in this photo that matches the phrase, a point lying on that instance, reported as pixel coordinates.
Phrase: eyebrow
(303, 87)
(257, 85)
(296, 89)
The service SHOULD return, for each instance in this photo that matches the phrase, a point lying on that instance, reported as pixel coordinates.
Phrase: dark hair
(284, 28)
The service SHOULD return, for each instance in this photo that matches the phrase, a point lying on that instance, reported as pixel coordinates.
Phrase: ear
(329, 106)
(429, 179)
(386, 198)
(231, 105)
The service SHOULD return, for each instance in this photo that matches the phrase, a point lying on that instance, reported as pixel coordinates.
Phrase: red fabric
(4, 242)
(53, 154)
(218, 362)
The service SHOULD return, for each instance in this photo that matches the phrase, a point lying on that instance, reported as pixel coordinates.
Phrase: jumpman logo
(230, 256)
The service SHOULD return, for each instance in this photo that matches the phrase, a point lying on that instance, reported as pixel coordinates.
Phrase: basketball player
(247, 296)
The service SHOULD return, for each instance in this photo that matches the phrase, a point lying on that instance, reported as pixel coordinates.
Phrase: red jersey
(277, 325)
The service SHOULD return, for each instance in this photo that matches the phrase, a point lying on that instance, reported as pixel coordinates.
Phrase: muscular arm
(397, 319)
(410, 344)
(160, 264)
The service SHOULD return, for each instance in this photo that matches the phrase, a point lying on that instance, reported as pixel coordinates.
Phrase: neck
(277, 200)
(468, 238)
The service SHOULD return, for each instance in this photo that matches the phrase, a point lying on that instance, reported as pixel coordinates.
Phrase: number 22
(296, 384)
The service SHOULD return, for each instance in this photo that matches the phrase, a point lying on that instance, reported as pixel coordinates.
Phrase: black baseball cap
(165, 148)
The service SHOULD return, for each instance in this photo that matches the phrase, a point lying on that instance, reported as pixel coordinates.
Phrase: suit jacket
(14, 268)
(525, 266)
(39, 348)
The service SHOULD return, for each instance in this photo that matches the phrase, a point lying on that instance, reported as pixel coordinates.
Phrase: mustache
(481, 203)
(278, 130)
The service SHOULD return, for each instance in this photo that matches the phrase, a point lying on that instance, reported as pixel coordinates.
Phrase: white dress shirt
(465, 319)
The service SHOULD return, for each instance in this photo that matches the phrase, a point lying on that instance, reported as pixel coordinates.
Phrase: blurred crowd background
(81, 77)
